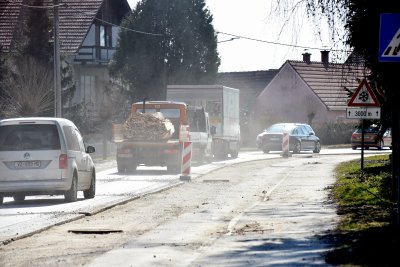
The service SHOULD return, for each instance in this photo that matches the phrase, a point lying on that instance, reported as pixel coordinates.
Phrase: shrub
(334, 133)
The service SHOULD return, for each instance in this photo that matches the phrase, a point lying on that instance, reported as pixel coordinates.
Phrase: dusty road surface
(263, 213)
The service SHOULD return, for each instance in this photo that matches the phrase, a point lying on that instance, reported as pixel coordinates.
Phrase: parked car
(373, 137)
(301, 137)
(44, 156)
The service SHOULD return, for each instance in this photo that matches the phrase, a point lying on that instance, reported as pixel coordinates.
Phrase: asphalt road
(40, 212)
(37, 214)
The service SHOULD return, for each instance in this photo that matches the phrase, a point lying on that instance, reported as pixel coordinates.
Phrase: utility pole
(57, 73)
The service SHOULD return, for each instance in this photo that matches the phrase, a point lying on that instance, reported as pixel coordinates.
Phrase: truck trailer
(222, 105)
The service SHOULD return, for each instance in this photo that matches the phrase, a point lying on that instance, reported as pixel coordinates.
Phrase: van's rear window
(29, 137)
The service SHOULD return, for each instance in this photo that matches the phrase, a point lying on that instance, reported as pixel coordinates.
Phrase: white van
(44, 156)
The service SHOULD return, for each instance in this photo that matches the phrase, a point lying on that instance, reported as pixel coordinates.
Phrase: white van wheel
(91, 192)
(72, 194)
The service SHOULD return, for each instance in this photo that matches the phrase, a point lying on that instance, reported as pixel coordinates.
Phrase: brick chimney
(307, 57)
(325, 57)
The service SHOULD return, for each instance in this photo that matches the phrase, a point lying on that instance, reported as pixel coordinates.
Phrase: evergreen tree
(182, 48)
(38, 33)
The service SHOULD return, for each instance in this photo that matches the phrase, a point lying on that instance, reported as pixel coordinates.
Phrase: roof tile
(75, 18)
(329, 80)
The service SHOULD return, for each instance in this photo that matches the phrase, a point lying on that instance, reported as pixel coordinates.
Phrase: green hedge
(334, 133)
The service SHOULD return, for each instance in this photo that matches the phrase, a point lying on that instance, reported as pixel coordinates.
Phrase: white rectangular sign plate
(363, 113)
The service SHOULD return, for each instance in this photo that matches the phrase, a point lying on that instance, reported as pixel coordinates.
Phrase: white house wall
(288, 99)
(90, 39)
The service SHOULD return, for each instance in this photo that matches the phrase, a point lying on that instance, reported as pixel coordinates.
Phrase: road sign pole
(362, 149)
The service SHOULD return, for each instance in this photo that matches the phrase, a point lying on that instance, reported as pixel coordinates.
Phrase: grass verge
(366, 234)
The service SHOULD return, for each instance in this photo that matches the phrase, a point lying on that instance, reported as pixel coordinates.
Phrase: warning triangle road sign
(363, 96)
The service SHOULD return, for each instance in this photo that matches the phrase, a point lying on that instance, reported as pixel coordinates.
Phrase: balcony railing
(94, 55)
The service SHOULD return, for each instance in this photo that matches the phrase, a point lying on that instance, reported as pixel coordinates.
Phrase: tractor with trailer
(153, 135)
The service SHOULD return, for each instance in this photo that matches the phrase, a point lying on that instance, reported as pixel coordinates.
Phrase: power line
(129, 29)
(270, 42)
(233, 38)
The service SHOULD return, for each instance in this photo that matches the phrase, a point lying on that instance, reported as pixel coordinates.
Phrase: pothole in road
(94, 231)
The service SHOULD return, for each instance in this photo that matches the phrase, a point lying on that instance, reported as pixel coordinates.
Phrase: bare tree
(327, 19)
(29, 89)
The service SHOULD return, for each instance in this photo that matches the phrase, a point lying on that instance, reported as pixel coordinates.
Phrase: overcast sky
(254, 19)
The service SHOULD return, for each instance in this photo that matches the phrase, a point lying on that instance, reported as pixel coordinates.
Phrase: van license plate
(27, 164)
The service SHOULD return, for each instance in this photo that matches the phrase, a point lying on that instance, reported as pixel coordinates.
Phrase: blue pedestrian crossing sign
(389, 38)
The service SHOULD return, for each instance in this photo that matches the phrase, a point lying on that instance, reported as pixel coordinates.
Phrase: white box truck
(222, 105)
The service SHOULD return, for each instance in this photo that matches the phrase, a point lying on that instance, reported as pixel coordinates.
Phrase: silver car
(44, 156)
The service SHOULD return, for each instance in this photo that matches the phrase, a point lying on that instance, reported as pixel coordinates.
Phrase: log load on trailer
(222, 105)
(152, 135)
